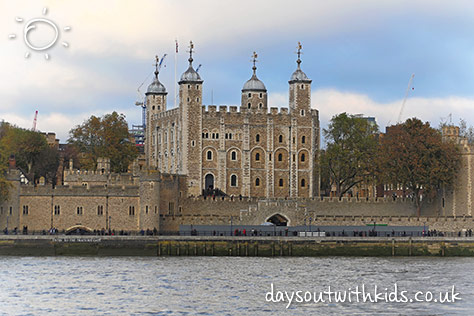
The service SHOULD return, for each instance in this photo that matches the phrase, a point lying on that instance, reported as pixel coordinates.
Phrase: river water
(229, 285)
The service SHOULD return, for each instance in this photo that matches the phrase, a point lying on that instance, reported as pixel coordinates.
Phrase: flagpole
(175, 76)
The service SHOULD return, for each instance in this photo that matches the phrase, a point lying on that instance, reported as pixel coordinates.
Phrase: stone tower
(254, 93)
(190, 104)
(155, 100)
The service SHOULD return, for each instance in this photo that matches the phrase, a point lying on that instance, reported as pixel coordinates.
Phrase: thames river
(233, 286)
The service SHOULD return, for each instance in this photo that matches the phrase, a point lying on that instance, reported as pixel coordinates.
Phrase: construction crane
(409, 87)
(199, 67)
(34, 121)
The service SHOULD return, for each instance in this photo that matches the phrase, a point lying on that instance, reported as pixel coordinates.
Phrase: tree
(107, 137)
(30, 149)
(413, 155)
(350, 153)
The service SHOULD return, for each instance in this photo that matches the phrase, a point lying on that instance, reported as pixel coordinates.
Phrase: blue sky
(359, 54)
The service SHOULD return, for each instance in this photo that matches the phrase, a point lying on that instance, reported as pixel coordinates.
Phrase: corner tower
(254, 93)
(300, 89)
(155, 101)
(190, 106)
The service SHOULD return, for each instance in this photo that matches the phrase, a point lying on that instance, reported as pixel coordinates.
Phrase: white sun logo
(32, 25)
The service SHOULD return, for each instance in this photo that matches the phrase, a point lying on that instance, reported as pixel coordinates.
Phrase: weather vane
(191, 47)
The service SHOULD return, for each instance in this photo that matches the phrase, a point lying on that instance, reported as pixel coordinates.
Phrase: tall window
(233, 180)
(233, 155)
(302, 157)
(280, 157)
(25, 209)
(257, 138)
(57, 210)
(257, 182)
(280, 182)
(100, 210)
(209, 155)
(80, 211)
(280, 138)
(257, 157)
(303, 183)
(131, 210)
(303, 139)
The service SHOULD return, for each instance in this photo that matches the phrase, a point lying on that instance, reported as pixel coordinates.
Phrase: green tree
(107, 137)
(413, 155)
(31, 151)
(351, 147)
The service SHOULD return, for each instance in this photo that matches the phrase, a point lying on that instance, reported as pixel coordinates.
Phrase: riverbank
(61, 245)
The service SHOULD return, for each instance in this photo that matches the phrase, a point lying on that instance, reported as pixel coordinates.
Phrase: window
(257, 157)
(153, 107)
(209, 155)
(233, 180)
(280, 157)
(146, 209)
(270, 157)
(260, 105)
(80, 211)
(280, 138)
(261, 95)
(248, 105)
(188, 99)
(303, 183)
(158, 107)
(193, 143)
(57, 210)
(302, 157)
(257, 138)
(25, 209)
(197, 99)
(294, 157)
(100, 210)
(11, 210)
(257, 182)
(302, 86)
(250, 95)
(302, 112)
(233, 155)
(303, 139)
(189, 86)
(131, 211)
(280, 182)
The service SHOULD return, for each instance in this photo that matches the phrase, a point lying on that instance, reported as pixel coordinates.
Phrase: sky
(359, 54)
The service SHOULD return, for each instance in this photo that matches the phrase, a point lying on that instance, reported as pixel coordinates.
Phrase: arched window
(233, 155)
(250, 95)
(303, 183)
(280, 157)
(209, 155)
(257, 182)
(280, 138)
(280, 182)
(249, 105)
(257, 157)
(233, 180)
(260, 105)
(303, 139)
(302, 157)
(257, 138)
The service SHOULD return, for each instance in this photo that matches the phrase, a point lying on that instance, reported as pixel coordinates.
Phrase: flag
(176, 46)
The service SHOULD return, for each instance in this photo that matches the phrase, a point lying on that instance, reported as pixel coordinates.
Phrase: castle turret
(300, 89)
(190, 103)
(254, 93)
(155, 100)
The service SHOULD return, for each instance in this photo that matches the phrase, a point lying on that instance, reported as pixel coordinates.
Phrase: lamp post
(311, 233)
(374, 230)
(110, 219)
(231, 232)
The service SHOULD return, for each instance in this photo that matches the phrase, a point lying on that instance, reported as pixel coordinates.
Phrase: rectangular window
(80, 210)
(146, 209)
(131, 211)
(100, 210)
(25, 209)
(57, 210)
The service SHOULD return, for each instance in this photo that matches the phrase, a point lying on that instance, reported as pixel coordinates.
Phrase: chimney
(12, 162)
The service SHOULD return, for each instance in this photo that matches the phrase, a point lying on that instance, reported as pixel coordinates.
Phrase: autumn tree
(107, 137)
(350, 153)
(414, 156)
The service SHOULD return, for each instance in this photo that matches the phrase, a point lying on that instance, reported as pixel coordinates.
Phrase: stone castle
(246, 151)
(262, 159)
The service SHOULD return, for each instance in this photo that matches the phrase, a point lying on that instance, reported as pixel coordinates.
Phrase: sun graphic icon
(32, 25)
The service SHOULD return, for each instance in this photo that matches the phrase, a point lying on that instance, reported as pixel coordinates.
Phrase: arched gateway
(278, 220)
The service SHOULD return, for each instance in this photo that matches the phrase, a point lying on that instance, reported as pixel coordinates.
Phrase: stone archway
(78, 230)
(278, 220)
(209, 181)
